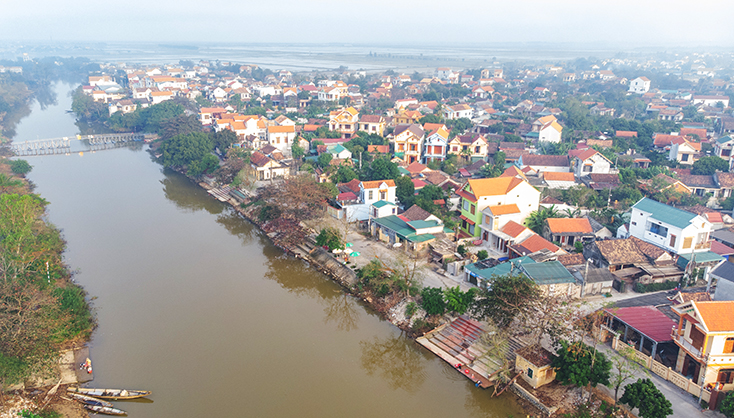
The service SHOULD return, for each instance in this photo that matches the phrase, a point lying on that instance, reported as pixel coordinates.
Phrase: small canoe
(88, 400)
(105, 410)
(110, 393)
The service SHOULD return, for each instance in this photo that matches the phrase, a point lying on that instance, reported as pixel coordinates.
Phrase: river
(198, 306)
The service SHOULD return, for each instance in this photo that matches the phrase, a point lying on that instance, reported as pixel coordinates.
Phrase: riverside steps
(458, 342)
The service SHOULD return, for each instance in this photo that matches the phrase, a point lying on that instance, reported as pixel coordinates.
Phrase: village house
(471, 147)
(160, 96)
(408, 141)
(412, 231)
(510, 197)
(684, 151)
(407, 117)
(546, 129)
(207, 115)
(568, 231)
(372, 124)
(705, 338)
(670, 228)
(344, 121)
(723, 147)
(639, 85)
(544, 163)
(281, 137)
(263, 167)
(436, 143)
(591, 161)
(458, 111)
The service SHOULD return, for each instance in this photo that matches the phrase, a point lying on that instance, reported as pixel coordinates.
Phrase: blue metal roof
(668, 214)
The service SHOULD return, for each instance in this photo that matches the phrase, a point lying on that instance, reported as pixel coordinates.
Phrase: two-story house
(470, 148)
(344, 121)
(408, 140)
(372, 124)
(705, 339)
(436, 143)
(684, 151)
(671, 229)
(591, 161)
(640, 85)
(505, 198)
(723, 147)
(281, 137)
(546, 129)
(458, 111)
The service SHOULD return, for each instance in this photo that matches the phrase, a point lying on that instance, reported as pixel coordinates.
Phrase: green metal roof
(402, 229)
(723, 139)
(336, 149)
(382, 203)
(668, 214)
(702, 257)
(403, 171)
(550, 272)
(500, 269)
(422, 224)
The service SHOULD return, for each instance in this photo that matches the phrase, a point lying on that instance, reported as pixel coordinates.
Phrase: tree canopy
(708, 165)
(646, 397)
(578, 364)
(505, 298)
(183, 149)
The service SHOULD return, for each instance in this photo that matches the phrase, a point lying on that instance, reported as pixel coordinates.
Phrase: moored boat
(105, 410)
(110, 393)
(88, 400)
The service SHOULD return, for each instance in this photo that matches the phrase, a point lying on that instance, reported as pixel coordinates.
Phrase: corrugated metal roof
(668, 214)
(647, 320)
(550, 272)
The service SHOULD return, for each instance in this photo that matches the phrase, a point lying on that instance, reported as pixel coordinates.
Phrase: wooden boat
(105, 410)
(88, 400)
(110, 393)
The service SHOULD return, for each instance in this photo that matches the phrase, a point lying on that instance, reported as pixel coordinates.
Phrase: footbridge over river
(63, 145)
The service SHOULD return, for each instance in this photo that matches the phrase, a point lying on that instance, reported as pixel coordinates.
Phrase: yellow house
(535, 363)
(345, 121)
(705, 338)
(407, 117)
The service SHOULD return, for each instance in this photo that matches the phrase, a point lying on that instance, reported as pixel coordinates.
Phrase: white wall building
(670, 228)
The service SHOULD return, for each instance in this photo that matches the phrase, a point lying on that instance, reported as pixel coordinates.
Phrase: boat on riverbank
(110, 393)
(88, 400)
(107, 410)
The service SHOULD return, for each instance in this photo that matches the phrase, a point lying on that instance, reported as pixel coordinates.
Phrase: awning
(469, 221)
(629, 271)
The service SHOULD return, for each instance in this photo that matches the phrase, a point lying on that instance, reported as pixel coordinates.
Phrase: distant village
(598, 180)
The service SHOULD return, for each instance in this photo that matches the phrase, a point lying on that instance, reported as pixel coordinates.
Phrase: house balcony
(703, 246)
(687, 346)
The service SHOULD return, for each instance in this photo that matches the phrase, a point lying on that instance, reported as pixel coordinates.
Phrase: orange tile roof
(513, 229)
(494, 186)
(536, 243)
(566, 225)
(278, 129)
(553, 176)
(504, 209)
(375, 184)
(717, 316)
(513, 171)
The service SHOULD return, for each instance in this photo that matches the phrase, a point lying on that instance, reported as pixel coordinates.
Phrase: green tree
(20, 167)
(297, 151)
(382, 169)
(344, 174)
(727, 405)
(182, 150)
(482, 254)
(644, 396)
(432, 301)
(330, 238)
(708, 165)
(577, 364)
(181, 124)
(223, 139)
(458, 301)
(536, 219)
(505, 298)
(324, 160)
(405, 191)
(626, 366)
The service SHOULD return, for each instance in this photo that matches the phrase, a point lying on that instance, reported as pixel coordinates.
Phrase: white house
(684, 151)
(670, 228)
(723, 147)
(371, 192)
(591, 161)
(281, 137)
(711, 100)
(436, 143)
(548, 129)
(458, 111)
(640, 85)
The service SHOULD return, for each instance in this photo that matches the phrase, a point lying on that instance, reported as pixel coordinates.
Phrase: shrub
(727, 405)
(433, 302)
(410, 309)
(654, 287)
(482, 254)
(458, 301)
(20, 167)
(461, 249)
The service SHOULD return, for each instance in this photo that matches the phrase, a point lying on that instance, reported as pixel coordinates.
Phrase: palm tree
(8, 183)
(536, 220)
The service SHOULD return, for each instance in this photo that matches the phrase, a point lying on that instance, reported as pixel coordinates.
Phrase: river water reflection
(196, 305)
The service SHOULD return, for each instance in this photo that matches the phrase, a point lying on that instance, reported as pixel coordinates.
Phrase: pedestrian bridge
(63, 145)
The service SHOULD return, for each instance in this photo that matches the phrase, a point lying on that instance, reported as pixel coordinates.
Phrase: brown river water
(198, 306)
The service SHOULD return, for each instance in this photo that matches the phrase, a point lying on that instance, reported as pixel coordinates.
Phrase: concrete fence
(665, 372)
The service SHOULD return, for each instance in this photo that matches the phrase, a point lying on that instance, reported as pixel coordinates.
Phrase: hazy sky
(617, 22)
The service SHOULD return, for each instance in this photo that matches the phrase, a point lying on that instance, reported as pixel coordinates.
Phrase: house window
(687, 242)
(471, 209)
(587, 169)
(659, 230)
(370, 195)
(476, 150)
(383, 195)
(684, 157)
(466, 204)
(672, 240)
(530, 373)
(729, 346)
